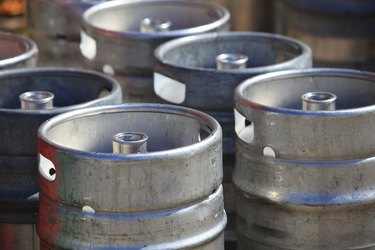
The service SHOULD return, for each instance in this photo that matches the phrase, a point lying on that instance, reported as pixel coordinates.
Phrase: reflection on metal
(231, 61)
(136, 199)
(318, 166)
(149, 25)
(37, 100)
(129, 143)
(319, 101)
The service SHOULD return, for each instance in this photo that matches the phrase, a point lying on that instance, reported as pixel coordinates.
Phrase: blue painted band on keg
(356, 7)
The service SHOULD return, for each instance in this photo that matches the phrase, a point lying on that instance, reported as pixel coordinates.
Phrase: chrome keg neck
(129, 143)
(315, 101)
(37, 100)
(231, 61)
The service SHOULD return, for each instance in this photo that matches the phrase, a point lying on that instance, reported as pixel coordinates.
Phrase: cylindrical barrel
(186, 73)
(17, 51)
(250, 15)
(119, 37)
(55, 26)
(166, 197)
(305, 177)
(340, 33)
(73, 89)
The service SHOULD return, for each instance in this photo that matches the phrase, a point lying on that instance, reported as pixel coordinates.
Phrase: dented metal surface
(73, 89)
(112, 37)
(17, 51)
(169, 197)
(304, 178)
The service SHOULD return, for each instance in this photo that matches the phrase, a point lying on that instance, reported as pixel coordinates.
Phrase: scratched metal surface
(167, 198)
(317, 192)
(74, 89)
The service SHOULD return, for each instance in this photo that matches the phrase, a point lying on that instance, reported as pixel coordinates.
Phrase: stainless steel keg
(28, 97)
(340, 33)
(119, 37)
(250, 15)
(305, 160)
(55, 26)
(17, 51)
(132, 176)
(203, 71)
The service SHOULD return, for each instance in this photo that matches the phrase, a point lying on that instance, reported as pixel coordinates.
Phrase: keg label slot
(243, 127)
(47, 168)
(169, 89)
(87, 46)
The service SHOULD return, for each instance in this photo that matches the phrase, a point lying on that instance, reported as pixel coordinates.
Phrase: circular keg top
(266, 52)
(174, 130)
(125, 18)
(273, 105)
(72, 89)
(281, 92)
(183, 162)
(192, 62)
(15, 49)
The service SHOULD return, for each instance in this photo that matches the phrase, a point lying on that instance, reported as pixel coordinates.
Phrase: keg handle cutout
(243, 127)
(231, 61)
(36, 100)
(319, 101)
(47, 168)
(154, 25)
(129, 143)
(169, 89)
(204, 132)
(269, 152)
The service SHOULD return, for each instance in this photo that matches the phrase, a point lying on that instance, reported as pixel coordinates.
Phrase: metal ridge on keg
(199, 76)
(24, 57)
(305, 175)
(179, 159)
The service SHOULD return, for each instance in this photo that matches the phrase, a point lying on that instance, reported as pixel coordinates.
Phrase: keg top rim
(30, 51)
(164, 108)
(241, 100)
(45, 71)
(224, 18)
(162, 49)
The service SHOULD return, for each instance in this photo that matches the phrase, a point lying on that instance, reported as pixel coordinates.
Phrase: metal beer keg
(203, 71)
(119, 37)
(28, 97)
(304, 171)
(129, 177)
(55, 26)
(340, 33)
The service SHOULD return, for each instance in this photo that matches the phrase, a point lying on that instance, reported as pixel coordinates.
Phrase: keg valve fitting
(129, 143)
(37, 100)
(149, 25)
(231, 61)
(316, 101)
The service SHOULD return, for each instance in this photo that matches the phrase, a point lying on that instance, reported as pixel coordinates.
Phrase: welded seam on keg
(184, 151)
(31, 51)
(288, 74)
(223, 19)
(53, 71)
(305, 51)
